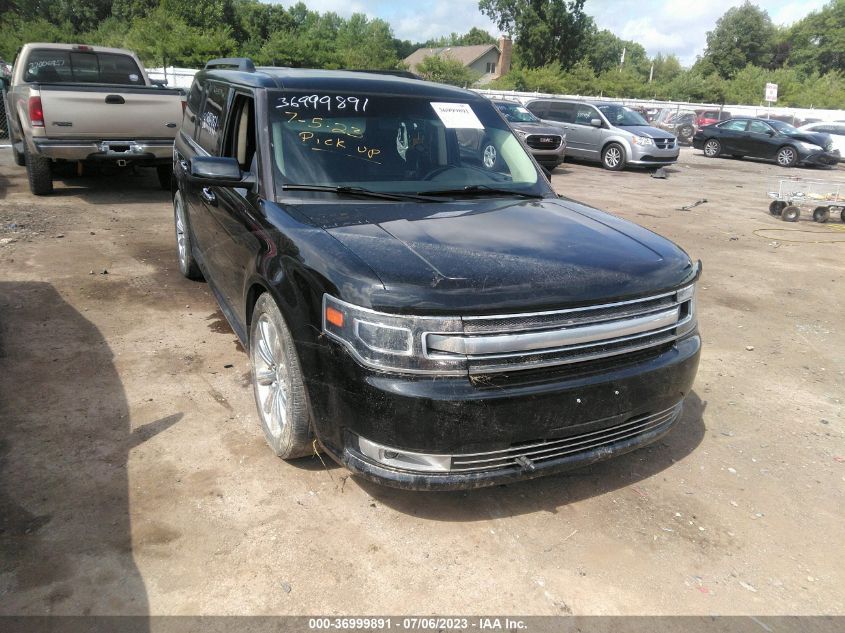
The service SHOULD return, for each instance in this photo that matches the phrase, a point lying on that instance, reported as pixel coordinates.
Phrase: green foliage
(743, 35)
(817, 43)
(475, 36)
(546, 31)
(548, 78)
(447, 71)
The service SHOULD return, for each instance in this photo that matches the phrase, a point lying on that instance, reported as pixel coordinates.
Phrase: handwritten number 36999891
(315, 102)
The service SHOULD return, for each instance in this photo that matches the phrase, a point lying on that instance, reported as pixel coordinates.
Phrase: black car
(766, 138)
(431, 323)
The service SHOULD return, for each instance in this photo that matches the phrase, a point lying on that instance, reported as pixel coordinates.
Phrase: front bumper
(646, 155)
(820, 158)
(135, 151)
(454, 419)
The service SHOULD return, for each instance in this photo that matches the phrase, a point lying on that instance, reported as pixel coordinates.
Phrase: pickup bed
(88, 104)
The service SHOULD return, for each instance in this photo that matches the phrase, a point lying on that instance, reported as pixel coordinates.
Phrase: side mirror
(219, 172)
(770, 132)
(595, 122)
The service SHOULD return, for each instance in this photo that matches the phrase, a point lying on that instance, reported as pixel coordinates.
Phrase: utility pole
(622, 59)
(651, 73)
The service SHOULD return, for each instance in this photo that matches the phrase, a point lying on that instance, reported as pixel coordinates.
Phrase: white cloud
(794, 11)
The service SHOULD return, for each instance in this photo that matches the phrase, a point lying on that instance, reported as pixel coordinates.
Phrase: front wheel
(712, 148)
(277, 382)
(787, 156)
(184, 243)
(613, 157)
(777, 207)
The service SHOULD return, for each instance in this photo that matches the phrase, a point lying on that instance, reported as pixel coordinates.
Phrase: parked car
(681, 123)
(709, 117)
(70, 102)
(609, 133)
(764, 138)
(547, 143)
(835, 130)
(431, 323)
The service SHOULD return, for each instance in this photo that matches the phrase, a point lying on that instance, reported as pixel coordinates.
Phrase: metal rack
(790, 195)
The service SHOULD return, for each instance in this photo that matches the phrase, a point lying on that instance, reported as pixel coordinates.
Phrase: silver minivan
(609, 133)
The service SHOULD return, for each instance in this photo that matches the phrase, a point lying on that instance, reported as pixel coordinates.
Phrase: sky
(662, 26)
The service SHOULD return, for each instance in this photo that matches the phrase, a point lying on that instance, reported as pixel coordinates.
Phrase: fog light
(406, 460)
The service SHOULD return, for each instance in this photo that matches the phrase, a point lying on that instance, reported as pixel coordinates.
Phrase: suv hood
(494, 255)
(538, 128)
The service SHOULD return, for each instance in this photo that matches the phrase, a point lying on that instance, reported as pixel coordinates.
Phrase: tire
(790, 214)
(277, 382)
(40, 172)
(776, 207)
(164, 173)
(489, 155)
(712, 148)
(821, 214)
(184, 241)
(787, 156)
(613, 157)
(18, 157)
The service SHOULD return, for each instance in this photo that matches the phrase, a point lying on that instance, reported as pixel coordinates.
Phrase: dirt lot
(134, 477)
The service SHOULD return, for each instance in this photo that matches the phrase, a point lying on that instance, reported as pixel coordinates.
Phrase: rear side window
(212, 118)
(563, 112)
(539, 108)
(56, 66)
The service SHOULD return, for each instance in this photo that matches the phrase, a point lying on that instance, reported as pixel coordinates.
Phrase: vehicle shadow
(65, 438)
(108, 185)
(4, 186)
(547, 494)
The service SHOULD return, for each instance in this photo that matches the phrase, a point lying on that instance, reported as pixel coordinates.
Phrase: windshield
(621, 116)
(395, 144)
(516, 113)
(784, 128)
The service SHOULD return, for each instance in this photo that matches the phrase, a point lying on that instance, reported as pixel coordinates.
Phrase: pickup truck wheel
(20, 159)
(40, 172)
(187, 264)
(277, 382)
(613, 157)
(164, 172)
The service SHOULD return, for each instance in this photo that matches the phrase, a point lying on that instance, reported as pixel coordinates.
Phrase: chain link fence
(4, 123)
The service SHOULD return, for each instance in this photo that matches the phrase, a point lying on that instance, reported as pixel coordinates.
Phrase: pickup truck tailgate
(103, 112)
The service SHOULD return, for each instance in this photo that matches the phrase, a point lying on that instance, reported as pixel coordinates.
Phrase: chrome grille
(664, 143)
(505, 343)
(542, 141)
(549, 449)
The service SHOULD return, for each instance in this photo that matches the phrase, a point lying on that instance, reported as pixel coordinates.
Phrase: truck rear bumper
(135, 151)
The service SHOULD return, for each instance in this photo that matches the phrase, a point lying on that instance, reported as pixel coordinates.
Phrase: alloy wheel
(270, 375)
(489, 156)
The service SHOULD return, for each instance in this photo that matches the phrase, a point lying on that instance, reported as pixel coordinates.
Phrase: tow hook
(527, 464)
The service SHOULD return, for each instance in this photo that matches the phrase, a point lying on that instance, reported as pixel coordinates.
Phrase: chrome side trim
(502, 343)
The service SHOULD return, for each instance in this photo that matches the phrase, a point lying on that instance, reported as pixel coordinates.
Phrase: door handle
(116, 99)
(208, 196)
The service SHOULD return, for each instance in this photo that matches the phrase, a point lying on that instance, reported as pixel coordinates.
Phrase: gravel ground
(134, 477)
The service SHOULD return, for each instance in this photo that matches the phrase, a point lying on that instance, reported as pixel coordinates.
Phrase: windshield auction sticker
(457, 115)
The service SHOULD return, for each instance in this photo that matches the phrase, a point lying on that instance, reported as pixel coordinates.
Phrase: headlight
(642, 140)
(389, 342)
(808, 147)
(521, 133)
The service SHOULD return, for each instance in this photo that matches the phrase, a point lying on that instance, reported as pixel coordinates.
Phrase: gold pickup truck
(78, 103)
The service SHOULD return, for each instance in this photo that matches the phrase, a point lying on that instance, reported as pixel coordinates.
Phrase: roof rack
(238, 63)
(396, 73)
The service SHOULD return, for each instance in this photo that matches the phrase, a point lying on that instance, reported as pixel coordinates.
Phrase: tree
(362, 43)
(446, 71)
(817, 43)
(549, 79)
(604, 51)
(743, 35)
(545, 30)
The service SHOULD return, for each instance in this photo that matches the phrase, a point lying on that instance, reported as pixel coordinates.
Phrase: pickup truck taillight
(36, 112)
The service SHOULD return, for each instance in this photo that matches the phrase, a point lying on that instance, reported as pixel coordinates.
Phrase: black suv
(431, 322)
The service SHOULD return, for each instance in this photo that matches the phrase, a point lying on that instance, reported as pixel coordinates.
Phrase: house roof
(464, 54)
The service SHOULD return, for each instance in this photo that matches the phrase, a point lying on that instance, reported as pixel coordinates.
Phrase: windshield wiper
(481, 190)
(356, 191)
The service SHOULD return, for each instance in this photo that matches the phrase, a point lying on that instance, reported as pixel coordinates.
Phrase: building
(491, 61)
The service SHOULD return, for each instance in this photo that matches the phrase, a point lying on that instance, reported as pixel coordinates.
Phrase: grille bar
(573, 444)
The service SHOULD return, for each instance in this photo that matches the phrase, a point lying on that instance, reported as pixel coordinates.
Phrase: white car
(836, 131)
